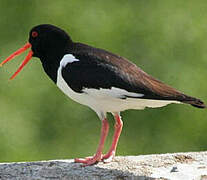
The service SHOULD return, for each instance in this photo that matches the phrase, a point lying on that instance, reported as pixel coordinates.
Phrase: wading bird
(99, 79)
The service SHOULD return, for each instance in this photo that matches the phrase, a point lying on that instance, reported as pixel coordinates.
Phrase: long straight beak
(16, 53)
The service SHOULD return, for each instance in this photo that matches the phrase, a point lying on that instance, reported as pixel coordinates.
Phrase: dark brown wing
(131, 78)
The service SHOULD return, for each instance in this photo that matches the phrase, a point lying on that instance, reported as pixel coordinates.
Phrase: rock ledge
(176, 166)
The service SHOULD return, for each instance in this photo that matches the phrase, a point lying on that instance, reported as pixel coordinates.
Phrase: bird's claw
(108, 157)
(88, 161)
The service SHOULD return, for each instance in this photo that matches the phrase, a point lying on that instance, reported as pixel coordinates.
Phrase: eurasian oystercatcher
(99, 79)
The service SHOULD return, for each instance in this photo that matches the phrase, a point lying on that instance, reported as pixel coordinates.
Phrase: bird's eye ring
(34, 34)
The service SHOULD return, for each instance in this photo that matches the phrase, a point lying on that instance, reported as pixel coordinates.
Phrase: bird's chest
(81, 98)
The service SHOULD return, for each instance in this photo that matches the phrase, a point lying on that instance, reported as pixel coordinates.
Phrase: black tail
(194, 102)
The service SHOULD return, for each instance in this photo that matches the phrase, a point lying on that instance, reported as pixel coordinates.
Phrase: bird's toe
(108, 157)
(89, 160)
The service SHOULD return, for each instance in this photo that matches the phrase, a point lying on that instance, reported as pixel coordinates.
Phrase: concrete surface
(177, 166)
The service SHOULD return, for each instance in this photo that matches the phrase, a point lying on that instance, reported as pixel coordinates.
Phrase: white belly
(108, 100)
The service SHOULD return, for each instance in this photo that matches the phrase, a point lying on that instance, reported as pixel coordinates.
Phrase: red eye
(34, 34)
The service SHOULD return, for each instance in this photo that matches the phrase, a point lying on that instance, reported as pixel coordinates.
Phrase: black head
(48, 40)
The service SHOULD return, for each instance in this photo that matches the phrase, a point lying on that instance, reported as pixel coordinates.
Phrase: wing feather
(98, 68)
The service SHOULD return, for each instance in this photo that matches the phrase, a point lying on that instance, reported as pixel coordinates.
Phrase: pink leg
(98, 156)
(118, 127)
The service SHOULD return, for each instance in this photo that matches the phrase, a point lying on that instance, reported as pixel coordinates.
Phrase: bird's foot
(108, 157)
(88, 161)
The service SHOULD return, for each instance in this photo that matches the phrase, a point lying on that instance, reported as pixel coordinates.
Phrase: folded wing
(99, 69)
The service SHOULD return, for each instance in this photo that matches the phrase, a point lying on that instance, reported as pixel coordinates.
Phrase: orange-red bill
(26, 60)
(16, 53)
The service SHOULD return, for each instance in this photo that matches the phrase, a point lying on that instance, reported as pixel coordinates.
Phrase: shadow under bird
(99, 79)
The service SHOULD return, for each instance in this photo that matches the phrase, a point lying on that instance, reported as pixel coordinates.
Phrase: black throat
(50, 44)
(51, 65)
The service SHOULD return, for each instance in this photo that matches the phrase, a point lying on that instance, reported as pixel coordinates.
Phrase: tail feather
(194, 102)
(155, 89)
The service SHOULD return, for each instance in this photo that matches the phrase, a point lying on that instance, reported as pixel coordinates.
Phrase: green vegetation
(167, 39)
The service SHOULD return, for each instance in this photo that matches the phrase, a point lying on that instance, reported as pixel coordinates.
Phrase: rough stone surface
(177, 166)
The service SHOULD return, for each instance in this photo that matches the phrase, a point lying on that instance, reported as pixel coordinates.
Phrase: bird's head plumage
(45, 40)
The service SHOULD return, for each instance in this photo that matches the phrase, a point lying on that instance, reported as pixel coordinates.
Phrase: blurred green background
(167, 39)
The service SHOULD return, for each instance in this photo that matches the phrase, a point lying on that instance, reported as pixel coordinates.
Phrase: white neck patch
(68, 58)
